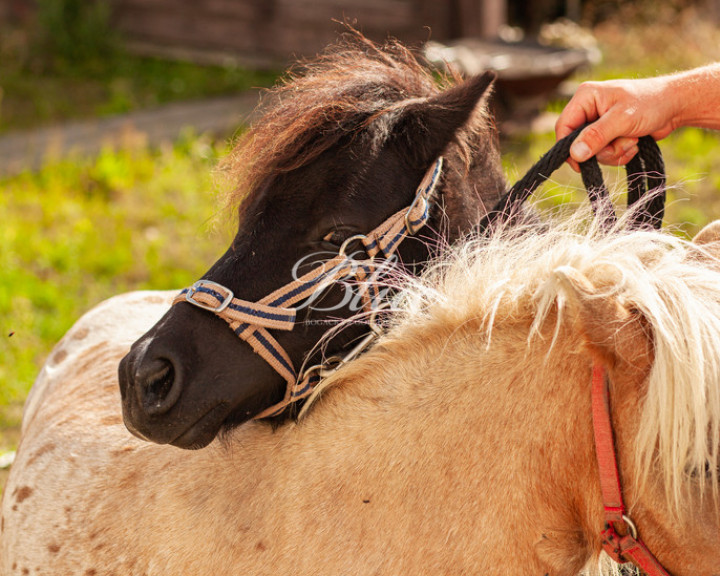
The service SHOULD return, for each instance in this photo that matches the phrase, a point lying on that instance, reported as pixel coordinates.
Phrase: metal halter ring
(215, 287)
(346, 243)
(632, 529)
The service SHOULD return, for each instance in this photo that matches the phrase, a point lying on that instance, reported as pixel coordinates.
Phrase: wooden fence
(277, 31)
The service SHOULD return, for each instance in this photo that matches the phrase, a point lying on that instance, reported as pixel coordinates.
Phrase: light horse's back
(74, 399)
(116, 321)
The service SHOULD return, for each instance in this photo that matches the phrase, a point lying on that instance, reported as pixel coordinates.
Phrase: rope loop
(645, 178)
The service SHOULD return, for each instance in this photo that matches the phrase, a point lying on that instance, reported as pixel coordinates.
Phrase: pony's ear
(608, 327)
(427, 126)
(709, 236)
(708, 244)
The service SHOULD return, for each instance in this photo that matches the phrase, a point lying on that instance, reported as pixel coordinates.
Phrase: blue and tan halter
(251, 321)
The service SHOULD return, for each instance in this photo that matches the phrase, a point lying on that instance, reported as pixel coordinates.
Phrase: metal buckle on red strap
(621, 548)
(217, 291)
(615, 544)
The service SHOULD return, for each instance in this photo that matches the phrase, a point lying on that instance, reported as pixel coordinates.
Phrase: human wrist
(694, 97)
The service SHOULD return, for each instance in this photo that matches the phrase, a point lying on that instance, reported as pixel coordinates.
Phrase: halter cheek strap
(625, 545)
(251, 321)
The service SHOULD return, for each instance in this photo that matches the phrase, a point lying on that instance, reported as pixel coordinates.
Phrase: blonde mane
(672, 282)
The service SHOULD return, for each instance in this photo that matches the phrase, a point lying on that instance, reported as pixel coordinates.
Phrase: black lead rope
(645, 172)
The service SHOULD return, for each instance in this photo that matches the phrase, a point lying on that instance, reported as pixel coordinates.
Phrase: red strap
(621, 548)
(605, 448)
(643, 558)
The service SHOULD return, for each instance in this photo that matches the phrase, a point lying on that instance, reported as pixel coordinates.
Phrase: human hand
(621, 111)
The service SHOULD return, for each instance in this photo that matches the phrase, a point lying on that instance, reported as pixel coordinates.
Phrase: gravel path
(29, 149)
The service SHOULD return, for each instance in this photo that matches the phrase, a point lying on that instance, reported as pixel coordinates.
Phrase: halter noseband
(625, 545)
(252, 320)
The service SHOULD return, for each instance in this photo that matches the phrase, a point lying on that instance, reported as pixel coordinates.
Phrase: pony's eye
(336, 237)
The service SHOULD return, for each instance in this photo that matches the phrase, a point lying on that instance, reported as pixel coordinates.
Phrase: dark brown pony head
(338, 148)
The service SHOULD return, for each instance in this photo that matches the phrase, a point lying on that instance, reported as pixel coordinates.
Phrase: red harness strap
(625, 546)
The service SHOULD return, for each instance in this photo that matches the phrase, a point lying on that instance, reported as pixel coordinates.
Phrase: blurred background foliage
(83, 229)
(74, 35)
(70, 63)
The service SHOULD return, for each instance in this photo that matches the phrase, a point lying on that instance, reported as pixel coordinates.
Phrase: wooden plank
(248, 10)
(188, 30)
(242, 9)
(279, 28)
(255, 60)
(436, 18)
(167, 5)
(390, 14)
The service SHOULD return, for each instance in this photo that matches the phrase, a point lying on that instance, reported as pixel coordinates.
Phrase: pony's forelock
(320, 101)
(353, 84)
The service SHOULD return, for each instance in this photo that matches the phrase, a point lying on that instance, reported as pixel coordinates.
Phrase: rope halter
(251, 321)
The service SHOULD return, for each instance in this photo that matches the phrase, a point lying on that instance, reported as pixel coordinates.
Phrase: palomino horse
(338, 153)
(462, 443)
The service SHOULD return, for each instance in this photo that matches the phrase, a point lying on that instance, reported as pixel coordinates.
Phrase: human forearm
(697, 97)
(621, 111)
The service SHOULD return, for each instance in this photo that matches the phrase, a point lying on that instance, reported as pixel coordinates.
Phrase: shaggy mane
(321, 101)
(658, 274)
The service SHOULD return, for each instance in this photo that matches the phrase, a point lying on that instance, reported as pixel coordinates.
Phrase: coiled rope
(645, 180)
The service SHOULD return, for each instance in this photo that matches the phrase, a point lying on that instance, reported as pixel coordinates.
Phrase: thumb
(591, 140)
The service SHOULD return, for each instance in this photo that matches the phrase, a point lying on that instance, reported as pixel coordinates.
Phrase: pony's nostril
(158, 387)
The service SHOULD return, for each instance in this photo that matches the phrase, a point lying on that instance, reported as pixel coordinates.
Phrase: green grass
(78, 232)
